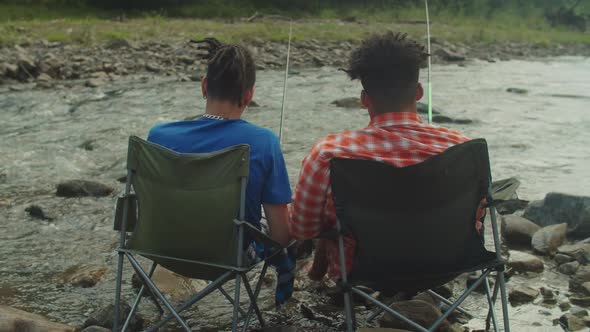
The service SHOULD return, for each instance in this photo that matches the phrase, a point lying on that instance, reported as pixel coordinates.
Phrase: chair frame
(238, 272)
(500, 285)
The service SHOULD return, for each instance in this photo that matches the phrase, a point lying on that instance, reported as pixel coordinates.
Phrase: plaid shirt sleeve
(309, 212)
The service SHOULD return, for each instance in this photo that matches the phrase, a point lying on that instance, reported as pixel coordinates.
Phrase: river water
(541, 137)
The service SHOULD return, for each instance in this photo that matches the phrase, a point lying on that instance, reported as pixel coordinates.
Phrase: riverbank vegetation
(542, 22)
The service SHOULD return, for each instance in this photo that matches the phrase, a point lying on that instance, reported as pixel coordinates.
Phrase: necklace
(213, 117)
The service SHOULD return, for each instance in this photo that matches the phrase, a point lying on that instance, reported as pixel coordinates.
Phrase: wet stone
(519, 91)
(549, 238)
(579, 312)
(18, 320)
(569, 268)
(522, 294)
(82, 188)
(105, 318)
(35, 211)
(524, 262)
(572, 322)
(420, 312)
(581, 301)
(351, 102)
(96, 329)
(518, 230)
(557, 208)
(579, 251)
(84, 276)
(561, 259)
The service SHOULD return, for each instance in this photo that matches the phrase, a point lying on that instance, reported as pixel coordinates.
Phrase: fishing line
(429, 86)
(285, 84)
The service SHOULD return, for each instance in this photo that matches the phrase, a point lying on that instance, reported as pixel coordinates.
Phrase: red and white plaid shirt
(399, 139)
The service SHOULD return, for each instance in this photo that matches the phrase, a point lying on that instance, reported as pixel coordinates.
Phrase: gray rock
(581, 301)
(419, 311)
(561, 258)
(351, 102)
(562, 208)
(576, 282)
(523, 262)
(17, 320)
(572, 322)
(105, 318)
(422, 108)
(84, 276)
(510, 206)
(569, 268)
(579, 312)
(579, 251)
(95, 82)
(522, 294)
(519, 91)
(549, 238)
(81, 188)
(518, 230)
(35, 211)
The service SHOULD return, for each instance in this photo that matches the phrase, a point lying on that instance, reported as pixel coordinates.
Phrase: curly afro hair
(388, 66)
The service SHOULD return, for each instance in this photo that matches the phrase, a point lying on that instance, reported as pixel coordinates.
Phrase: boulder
(17, 320)
(82, 188)
(104, 317)
(84, 276)
(179, 288)
(522, 294)
(572, 322)
(579, 251)
(569, 268)
(510, 206)
(562, 208)
(549, 238)
(351, 102)
(419, 311)
(523, 262)
(518, 230)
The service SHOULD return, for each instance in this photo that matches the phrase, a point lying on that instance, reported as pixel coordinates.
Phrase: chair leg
(253, 303)
(151, 285)
(504, 299)
(349, 311)
(230, 300)
(494, 298)
(492, 307)
(236, 304)
(197, 297)
(118, 292)
(138, 299)
(256, 292)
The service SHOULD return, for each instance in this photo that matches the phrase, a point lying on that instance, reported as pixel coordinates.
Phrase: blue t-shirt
(268, 181)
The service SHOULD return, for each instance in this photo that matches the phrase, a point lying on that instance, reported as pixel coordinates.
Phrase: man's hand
(278, 218)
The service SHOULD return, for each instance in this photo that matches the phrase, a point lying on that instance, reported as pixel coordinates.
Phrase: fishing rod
(429, 82)
(285, 84)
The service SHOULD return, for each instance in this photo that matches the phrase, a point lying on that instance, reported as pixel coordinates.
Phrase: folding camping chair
(414, 228)
(185, 221)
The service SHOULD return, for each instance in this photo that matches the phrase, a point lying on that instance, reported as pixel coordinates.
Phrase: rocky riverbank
(49, 64)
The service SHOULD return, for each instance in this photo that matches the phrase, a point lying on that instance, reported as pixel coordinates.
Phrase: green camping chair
(186, 213)
(414, 228)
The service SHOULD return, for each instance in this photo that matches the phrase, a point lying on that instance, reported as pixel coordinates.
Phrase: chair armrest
(131, 212)
(259, 236)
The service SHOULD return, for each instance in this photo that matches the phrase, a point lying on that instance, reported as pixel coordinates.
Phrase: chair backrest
(416, 220)
(186, 203)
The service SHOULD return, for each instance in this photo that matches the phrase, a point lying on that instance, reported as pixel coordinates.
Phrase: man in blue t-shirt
(229, 88)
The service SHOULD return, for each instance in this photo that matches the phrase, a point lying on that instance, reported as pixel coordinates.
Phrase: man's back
(268, 180)
(399, 139)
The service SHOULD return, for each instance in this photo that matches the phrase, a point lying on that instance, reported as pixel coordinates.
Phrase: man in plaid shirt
(388, 67)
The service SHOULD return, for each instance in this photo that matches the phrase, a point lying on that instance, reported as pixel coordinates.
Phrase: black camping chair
(415, 227)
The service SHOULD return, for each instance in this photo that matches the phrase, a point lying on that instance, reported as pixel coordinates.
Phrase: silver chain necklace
(214, 117)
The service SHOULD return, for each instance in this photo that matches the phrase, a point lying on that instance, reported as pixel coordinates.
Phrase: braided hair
(388, 66)
(230, 70)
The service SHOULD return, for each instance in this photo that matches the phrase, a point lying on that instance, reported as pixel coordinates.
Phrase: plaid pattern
(399, 139)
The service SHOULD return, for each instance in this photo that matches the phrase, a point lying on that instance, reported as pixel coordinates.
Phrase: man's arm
(308, 216)
(277, 216)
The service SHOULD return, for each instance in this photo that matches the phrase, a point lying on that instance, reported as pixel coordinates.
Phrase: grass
(19, 24)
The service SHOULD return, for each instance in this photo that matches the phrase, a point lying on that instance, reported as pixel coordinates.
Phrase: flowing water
(541, 137)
